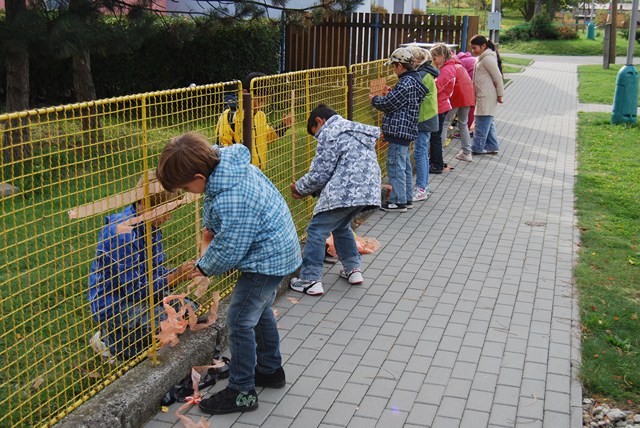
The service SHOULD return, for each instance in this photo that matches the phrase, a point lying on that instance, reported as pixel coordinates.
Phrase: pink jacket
(467, 61)
(445, 83)
(463, 93)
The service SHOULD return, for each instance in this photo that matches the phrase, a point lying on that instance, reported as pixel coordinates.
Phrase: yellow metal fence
(75, 165)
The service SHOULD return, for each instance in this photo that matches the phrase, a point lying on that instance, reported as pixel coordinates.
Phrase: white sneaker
(420, 194)
(463, 156)
(312, 288)
(354, 277)
(101, 348)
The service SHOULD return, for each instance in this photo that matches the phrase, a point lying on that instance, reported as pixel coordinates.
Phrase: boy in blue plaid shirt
(254, 233)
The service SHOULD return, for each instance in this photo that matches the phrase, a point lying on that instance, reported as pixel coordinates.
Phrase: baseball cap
(401, 55)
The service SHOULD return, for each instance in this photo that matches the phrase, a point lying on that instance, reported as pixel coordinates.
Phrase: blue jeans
(421, 156)
(338, 222)
(400, 174)
(253, 331)
(484, 137)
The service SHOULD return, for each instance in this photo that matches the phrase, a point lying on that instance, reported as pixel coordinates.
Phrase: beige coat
(487, 81)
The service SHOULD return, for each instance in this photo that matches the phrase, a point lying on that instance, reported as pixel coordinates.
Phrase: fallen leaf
(634, 316)
(594, 308)
(293, 300)
(39, 381)
(164, 409)
(92, 375)
(275, 312)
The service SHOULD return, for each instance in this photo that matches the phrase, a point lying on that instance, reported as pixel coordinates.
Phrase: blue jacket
(252, 226)
(118, 277)
(401, 107)
(345, 169)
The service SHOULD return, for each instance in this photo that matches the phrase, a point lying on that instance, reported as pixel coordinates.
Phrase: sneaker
(435, 170)
(312, 288)
(389, 206)
(420, 194)
(273, 380)
(409, 205)
(463, 156)
(99, 347)
(492, 152)
(230, 400)
(481, 152)
(354, 277)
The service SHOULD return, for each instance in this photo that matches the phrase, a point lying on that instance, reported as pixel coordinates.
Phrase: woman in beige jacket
(487, 82)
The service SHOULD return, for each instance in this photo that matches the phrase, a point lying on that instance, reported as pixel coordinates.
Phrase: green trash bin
(625, 99)
(591, 31)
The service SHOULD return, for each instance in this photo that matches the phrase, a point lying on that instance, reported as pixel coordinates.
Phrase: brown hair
(157, 194)
(184, 157)
(441, 49)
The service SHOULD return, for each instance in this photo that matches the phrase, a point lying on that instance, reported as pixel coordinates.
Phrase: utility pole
(494, 21)
(614, 30)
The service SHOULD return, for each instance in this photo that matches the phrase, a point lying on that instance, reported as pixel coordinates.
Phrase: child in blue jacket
(401, 107)
(254, 233)
(118, 281)
(346, 175)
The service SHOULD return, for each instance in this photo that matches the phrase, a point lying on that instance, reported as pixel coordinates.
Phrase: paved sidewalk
(467, 317)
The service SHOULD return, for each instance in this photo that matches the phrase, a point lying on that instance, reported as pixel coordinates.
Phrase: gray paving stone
(308, 418)
(371, 407)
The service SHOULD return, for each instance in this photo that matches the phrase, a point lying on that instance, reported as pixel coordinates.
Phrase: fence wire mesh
(73, 165)
(371, 78)
(280, 138)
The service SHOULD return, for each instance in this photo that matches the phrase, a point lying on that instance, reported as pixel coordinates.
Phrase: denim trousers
(484, 137)
(463, 127)
(254, 341)
(337, 222)
(400, 174)
(435, 145)
(421, 157)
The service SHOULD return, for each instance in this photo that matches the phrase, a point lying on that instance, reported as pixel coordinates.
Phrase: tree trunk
(527, 10)
(16, 144)
(552, 7)
(537, 7)
(86, 91)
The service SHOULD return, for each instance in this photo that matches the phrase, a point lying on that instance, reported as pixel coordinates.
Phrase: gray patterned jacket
(345, 169)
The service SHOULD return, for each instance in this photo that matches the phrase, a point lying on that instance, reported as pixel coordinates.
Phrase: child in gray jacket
(346, 175)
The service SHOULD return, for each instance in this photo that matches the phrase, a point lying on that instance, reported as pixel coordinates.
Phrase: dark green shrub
(542, 28)
(520, 32)
(149, 53)
(625, 34)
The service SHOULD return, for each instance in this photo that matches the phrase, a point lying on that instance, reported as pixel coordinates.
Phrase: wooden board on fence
(376, 86)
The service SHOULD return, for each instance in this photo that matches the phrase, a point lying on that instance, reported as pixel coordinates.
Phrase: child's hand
(287, 120)
(386, 91)
(294, 192)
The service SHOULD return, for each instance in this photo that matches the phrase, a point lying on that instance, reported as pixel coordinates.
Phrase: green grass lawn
(608, 270)
(580, 47)
(597, 85)
(516, 61)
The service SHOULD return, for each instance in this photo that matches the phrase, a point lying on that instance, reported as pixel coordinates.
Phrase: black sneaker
(409, 205)
(401, 208)
(230, 400)
(433, 170)
(273, 380)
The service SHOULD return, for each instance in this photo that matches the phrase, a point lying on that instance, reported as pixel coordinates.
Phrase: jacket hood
(235, 161)
(336, 125)
(461, 55)
(428, 68)
(487, 52)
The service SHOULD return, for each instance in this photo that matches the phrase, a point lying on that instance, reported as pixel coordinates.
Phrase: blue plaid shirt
(401, 107)
(252, 226)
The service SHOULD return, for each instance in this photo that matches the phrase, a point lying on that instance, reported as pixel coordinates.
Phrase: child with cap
(401, 107)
